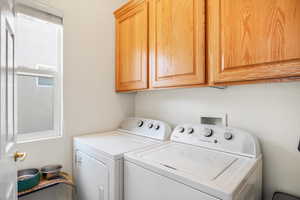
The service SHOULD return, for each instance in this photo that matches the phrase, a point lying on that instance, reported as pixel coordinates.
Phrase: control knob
(208, 132)
(228, 136)
(140, 123)
(190, 131)
(150, 125)
(157, 127)
(181, 129)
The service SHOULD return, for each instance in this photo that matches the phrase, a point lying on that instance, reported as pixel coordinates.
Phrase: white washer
(98, 158)
(202, 162)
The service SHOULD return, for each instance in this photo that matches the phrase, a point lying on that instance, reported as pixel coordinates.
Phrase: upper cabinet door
(177, 42)
(253, 39)
(132, 46)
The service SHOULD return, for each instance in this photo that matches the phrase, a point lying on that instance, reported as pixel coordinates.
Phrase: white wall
(90, 103)
(270, 111)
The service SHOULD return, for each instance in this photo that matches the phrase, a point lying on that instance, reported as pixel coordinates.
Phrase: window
(38, 75)
(45, 81)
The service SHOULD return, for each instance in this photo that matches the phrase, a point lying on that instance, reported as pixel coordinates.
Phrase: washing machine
(98, 158)
(202, 162)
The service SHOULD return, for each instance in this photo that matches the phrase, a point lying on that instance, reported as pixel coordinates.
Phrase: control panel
(221, 138)
(154, 129)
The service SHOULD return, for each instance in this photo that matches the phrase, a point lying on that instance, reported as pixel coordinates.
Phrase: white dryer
(98, 158)
(202, 162)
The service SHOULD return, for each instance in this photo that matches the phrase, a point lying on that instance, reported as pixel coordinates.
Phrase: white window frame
(35, 71)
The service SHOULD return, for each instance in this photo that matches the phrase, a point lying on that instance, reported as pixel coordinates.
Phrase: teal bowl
(28, 178)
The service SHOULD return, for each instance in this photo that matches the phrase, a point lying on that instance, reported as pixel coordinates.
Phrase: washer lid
(213, 172)
(113, 144)
(206, 165)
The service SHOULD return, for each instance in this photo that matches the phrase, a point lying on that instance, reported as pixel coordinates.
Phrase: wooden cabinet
(252, 40)
(177, 42)
(132, 46)
(189, 43)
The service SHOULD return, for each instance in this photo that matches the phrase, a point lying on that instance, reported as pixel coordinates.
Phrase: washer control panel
(147, 127)
(217, 137)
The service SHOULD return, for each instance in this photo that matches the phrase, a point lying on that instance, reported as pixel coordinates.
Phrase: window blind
(39, 10)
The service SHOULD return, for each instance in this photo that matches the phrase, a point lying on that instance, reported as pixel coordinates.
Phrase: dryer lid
(203, 164)
(113, 144)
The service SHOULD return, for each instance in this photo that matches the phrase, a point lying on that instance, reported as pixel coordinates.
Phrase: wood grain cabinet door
(132, 46)
(252, 40)
(177, 42)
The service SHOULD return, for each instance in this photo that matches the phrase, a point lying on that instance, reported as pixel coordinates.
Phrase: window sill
(37, 136)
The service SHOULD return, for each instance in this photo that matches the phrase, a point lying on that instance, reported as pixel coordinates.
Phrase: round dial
(228, 136)
(190, 131)
(150, 125)
(157, 126)
(208, 132)
(181, 129)
(140, 123)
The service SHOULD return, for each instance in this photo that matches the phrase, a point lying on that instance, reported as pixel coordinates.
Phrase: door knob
(20, 156)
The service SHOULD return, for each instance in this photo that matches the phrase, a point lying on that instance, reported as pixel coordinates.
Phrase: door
(8, 170)
(253, 39)
(177, 42)
(132, 46)
(91, 178)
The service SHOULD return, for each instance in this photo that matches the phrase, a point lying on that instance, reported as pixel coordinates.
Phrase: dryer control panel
(221, 138)
(154, 129)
